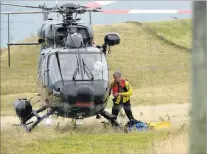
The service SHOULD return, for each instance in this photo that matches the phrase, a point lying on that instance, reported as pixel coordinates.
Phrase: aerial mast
(90, 21)
(45, 14)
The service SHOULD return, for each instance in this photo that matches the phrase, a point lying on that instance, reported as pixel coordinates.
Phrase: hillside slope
(159, 73)
(144, 60)
(176, 31)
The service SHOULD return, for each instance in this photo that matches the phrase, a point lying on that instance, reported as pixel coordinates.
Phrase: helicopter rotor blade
(125, 11)
(30, 12)
(28, 6)
(97, 4)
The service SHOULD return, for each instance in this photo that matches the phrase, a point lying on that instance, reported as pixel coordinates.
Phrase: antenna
(45, 15)
(90, 21)
(57, 4)
(8, 43)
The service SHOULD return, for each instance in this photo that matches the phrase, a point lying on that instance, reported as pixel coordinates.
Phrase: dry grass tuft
(174, 143)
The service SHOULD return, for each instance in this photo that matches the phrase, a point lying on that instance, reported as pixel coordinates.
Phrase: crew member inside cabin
(122, 91)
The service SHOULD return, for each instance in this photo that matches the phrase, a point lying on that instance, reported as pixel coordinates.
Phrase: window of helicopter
(87, 70)
(77, 70)
(46, 72)
(43, 72)
(68, 65)
(96, 66)
(39, 66)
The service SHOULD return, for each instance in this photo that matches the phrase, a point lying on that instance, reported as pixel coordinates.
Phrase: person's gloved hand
(117, 94)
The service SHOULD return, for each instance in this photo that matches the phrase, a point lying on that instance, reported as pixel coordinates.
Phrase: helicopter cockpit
(69, 71)
(77, 66)
(75, 61)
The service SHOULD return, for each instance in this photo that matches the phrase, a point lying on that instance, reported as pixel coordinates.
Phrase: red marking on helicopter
(92, 5)
(98, 4)
(120, 11)
(84, 104)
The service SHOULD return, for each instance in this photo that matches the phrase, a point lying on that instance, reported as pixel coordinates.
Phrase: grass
(146, 62)
(151, 65)
(178, 142)
(8, 100)
(146, 96)
(158, 72)
(21, 76)
(178, 31)
(49, 141)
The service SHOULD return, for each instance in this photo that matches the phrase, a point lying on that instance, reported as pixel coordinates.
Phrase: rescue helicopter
(73, 73)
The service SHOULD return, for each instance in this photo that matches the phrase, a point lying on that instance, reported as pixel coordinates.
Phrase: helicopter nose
(85, 93)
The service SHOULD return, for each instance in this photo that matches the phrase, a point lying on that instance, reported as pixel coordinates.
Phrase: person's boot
(122, 113)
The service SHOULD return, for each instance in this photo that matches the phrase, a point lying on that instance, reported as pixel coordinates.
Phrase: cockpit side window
(43, 72)
(68, 65)
(97, 65)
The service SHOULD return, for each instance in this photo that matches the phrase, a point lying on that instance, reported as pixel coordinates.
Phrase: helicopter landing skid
(112, 121)
(34, 114)
(110, 117)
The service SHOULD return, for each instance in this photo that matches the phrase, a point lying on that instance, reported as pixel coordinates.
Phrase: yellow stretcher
(159, 125)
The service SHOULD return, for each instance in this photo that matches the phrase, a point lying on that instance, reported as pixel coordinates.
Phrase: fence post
(199, 81)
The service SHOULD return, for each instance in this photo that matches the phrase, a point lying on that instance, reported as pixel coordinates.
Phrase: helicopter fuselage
(73, 76)
(74, 82)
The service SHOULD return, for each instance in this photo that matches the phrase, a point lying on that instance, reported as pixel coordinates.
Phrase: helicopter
(73, 73)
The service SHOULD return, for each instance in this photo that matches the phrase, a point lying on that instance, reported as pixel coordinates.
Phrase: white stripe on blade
(104, 2)
(153, 11)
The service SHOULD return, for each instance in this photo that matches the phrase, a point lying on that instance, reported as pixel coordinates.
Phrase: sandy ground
(176, 113)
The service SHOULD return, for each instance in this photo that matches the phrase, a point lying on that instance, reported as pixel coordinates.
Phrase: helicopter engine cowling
(51, 31)
(42, 28)
(23, 108)
(75, 40)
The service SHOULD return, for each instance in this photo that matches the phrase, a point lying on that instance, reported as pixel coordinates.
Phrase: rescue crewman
(121, 91)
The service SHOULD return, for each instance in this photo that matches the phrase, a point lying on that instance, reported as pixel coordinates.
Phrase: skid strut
(110, 117)
(35, 114)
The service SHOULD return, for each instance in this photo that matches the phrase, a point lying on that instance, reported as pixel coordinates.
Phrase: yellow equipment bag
(159, 125)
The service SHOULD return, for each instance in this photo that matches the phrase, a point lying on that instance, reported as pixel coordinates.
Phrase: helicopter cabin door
(42, 79)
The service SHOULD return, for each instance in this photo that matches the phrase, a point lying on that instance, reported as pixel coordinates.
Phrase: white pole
(199, 80)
